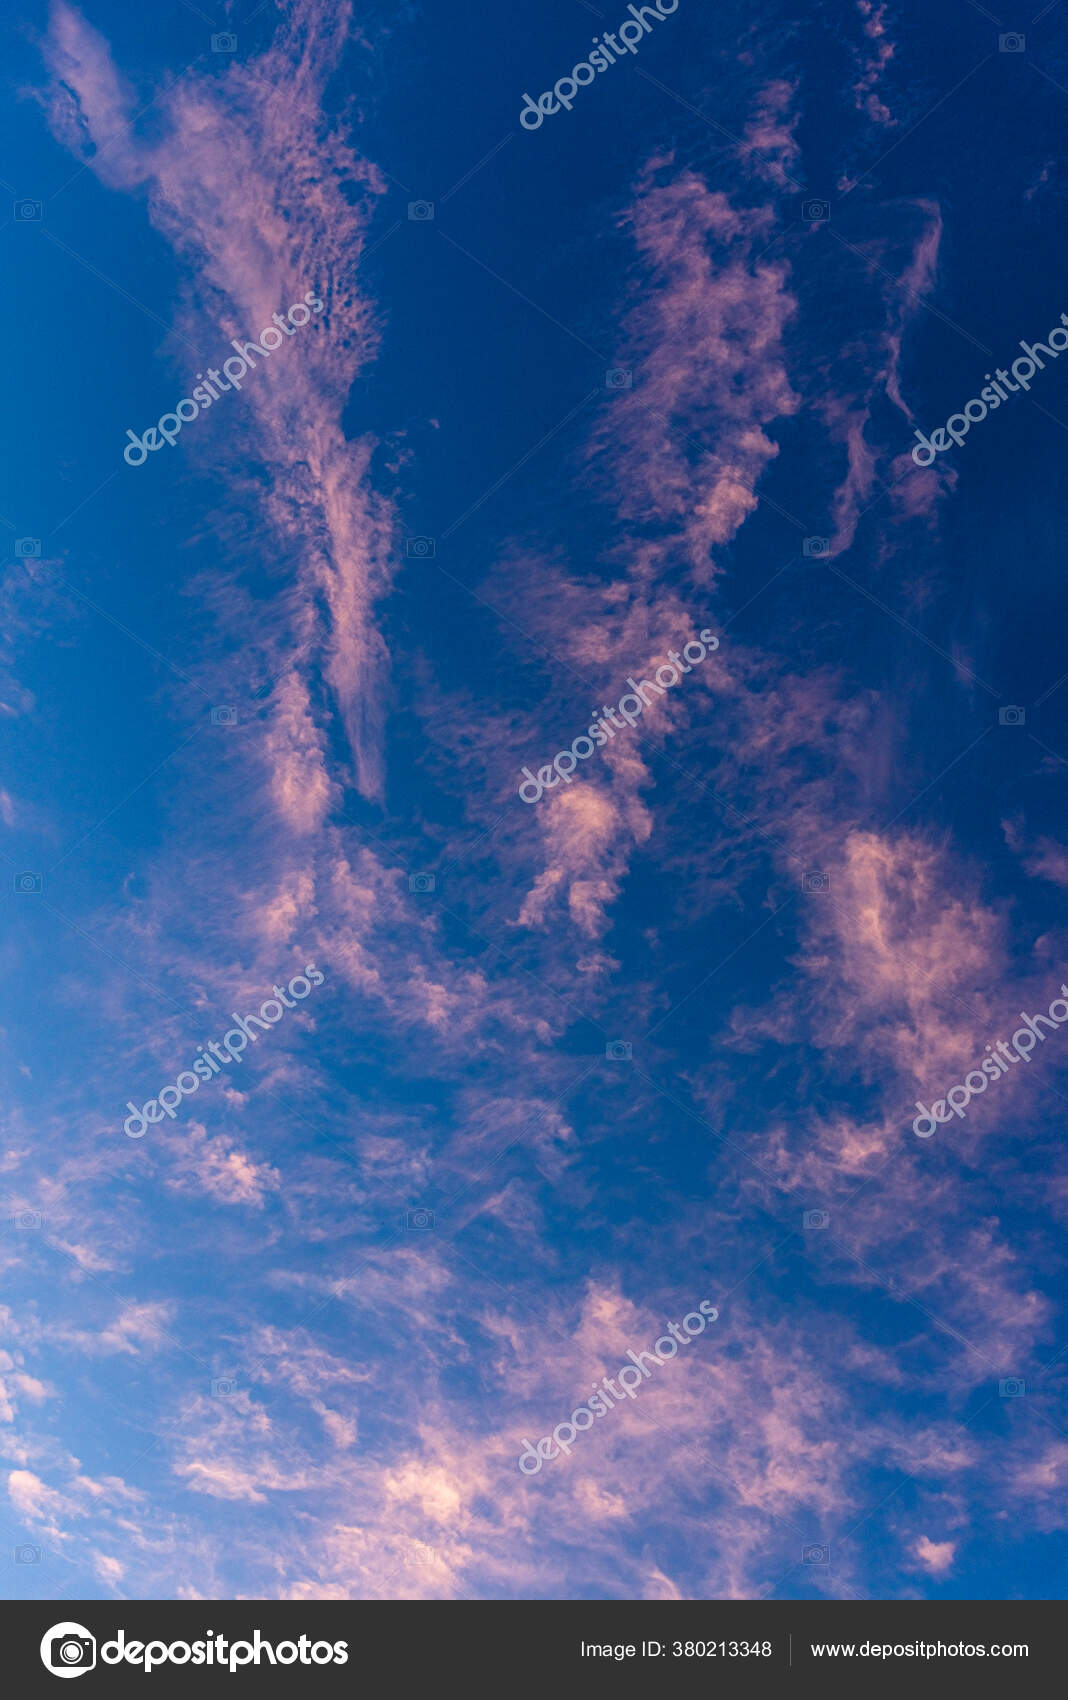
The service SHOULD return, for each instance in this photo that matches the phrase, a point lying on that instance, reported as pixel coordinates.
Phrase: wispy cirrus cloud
(252, 185)
(373, 1233)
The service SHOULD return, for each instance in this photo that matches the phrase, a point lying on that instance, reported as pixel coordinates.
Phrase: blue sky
(291, 1342)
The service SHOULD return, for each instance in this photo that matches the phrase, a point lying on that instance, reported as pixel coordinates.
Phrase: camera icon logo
(815, 212)
(619, 378)
(28, 212)
(1012, 1387)
(617, 1050)
(421, 212)
(814, 547)
(27, 1219)
(222, 1386)
(224, 42)
(419, 1219)
(28, 548)
(1012, 715)
(27, 1555)
(816, 1219)
(422, 882)
(224, 716)
(28, 884)
(421, 548)
(815, 881)
(815, 1555)
(68, 1649)
(1012, 43)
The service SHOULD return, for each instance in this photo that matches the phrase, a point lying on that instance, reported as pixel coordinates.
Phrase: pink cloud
(1046, 859)
(211, 1166)
(706, 342)
(872, 61)
(254, 192)
(935, 1556)
(770, 134)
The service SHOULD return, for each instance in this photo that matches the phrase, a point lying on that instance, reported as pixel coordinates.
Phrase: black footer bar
(329, 1645)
